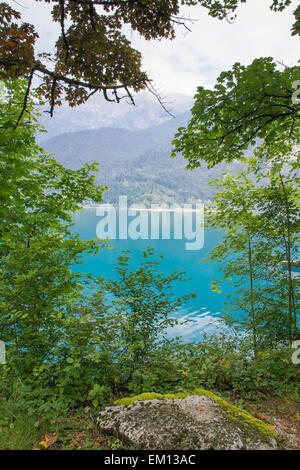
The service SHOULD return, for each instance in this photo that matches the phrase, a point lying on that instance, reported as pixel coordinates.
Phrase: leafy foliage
(62, 331)
(225, 362)
(143, 308)
(40, 296)
(92, 52)
(296, 26)
(247, 104)
(262, 232)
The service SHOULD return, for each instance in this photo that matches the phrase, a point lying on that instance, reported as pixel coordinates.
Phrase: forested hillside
(137, 163)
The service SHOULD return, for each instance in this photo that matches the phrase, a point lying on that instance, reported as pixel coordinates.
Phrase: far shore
(149, 209)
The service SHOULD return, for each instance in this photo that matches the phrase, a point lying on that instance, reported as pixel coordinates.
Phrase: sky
(197, 58)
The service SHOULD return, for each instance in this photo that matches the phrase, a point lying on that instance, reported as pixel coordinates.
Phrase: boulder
(199, 420)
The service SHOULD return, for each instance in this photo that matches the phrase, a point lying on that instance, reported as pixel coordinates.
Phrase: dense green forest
(75, 343)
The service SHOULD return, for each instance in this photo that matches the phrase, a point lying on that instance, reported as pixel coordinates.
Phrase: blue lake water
(205, 310)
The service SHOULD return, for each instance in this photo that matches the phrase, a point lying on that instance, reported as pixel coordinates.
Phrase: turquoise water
(205, 310)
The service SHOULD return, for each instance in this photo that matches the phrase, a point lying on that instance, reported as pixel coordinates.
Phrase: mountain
(98, 112)
(136, 163)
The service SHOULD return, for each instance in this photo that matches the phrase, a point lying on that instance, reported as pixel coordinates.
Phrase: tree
(233, 210)
(144, 303)
(247, 263)
(296, 26)
(246, 105)
(280, 218)
(40, 294)
(92, 52)
(262, 225)
(278, 205)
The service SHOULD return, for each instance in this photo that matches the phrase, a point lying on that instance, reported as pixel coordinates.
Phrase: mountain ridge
(97, 113)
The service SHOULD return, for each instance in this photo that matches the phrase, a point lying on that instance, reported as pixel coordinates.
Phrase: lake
(204, 311)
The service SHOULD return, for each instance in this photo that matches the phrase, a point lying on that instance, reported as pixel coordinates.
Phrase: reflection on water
(194, 324)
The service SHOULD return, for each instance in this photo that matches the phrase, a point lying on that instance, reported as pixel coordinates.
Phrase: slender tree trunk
(252, 295)
(292, 310)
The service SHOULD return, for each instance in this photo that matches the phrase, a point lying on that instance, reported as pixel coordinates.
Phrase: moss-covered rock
(197, 420)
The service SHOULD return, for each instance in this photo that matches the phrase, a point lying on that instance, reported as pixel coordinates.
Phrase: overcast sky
(198, 57)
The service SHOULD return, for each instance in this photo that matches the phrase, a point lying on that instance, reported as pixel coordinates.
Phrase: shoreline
(149, 209)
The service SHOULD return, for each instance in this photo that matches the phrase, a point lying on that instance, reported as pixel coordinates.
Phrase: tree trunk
(292, 310)
(252, 295)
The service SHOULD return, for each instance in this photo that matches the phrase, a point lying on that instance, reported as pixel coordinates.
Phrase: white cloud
(213, 46)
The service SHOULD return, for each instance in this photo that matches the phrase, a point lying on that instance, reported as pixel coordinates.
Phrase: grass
(77, 431)
(23, 429)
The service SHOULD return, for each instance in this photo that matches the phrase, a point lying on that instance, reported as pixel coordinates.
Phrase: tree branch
(25, 99)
